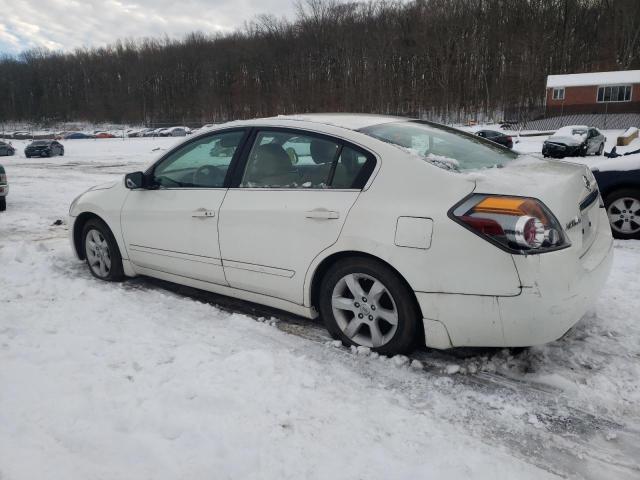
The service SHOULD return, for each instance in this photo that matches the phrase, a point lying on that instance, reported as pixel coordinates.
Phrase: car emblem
(587, 182)
(574, 221)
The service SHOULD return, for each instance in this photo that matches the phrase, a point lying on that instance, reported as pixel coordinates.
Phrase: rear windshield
(442, 146)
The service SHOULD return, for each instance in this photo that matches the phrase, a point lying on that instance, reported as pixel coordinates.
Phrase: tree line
(448, 60)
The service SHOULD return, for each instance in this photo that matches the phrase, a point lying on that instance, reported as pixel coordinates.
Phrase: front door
(173, 227)
(288, 204)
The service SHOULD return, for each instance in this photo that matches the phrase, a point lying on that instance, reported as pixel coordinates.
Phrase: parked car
(77, 136)
(136, 132)
(44, 148)
(574, 141)
(6, 149)
(104, 135)
(155, 132)
(505, 258)
(4, 189)
(175, 132)
(498, 137)
(620, 189)
(21, 135)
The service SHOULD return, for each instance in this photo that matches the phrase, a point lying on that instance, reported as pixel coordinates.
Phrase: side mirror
(134, 180)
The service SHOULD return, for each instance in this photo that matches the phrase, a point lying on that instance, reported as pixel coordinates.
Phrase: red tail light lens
(518, 224)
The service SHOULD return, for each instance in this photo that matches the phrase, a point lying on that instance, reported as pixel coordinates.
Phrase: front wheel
(600, 150)
(623, 210)
(101, 251)
(3, 204)
(365, 303)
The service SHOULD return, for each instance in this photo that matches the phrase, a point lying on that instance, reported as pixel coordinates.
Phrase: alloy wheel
(364, 310)
(98, 254)
(624, 215)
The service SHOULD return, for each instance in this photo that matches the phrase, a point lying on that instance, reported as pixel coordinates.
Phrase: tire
(3, 204)
(371, 329)
(105, 262)
(28, 156)
(600, 150)
(623, 210)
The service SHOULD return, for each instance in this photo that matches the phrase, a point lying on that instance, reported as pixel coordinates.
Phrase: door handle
(322, 214)
(203, 213)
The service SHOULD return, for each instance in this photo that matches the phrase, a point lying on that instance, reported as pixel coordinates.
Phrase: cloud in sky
(69, 24)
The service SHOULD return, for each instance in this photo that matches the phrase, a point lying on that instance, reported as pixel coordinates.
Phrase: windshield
(442, 146)
(40, 142)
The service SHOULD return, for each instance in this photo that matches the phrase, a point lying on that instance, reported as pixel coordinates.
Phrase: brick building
(600, 92)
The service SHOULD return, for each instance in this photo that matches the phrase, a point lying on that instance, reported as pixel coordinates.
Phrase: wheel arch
(322, 268)
(611, 189)
(78, 226)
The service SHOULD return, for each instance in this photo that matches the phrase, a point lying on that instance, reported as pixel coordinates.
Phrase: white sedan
(394, 231)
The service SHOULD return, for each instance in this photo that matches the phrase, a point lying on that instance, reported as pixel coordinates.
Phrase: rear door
(174, 227)
(288, 202)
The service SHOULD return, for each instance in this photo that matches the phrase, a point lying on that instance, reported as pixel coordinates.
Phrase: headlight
(519, 225)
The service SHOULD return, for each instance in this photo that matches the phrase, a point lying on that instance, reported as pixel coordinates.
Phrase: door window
(280, 159)
(199, 164)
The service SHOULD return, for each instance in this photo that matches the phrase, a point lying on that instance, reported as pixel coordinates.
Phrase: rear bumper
(557, 290)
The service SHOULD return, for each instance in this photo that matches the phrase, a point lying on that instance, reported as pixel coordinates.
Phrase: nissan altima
(394, 231)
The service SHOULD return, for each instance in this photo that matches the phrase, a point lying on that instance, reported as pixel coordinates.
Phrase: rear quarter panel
(457, 260)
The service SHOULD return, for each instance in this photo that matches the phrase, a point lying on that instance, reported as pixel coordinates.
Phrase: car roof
(350, 121)
(577, 127)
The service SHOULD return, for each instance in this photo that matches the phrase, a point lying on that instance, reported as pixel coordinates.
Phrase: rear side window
(287, 159)
(442, 146)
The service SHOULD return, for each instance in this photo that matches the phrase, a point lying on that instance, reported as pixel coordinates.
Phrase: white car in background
(394, 231)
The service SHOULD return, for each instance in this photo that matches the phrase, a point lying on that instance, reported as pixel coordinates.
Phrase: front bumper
(38, 152)
(557, 150)
(558, 289)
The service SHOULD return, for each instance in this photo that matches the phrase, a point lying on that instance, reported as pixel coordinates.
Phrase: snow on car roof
(351, 121)
(568, 130)
(595, 78)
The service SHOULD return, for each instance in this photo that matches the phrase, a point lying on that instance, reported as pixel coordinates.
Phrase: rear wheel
(101, 251)
(601, 149)
(623, 210)
(3, 204)
(365, 303)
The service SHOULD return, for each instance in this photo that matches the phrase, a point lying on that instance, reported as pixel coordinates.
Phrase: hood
(561, 186)
(572, 140)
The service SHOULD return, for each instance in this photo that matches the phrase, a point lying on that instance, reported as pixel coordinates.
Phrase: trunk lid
(568, 190)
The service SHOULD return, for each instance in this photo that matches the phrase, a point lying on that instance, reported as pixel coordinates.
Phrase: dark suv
(44, 148)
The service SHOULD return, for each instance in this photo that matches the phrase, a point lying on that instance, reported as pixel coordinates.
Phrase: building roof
(595, 78)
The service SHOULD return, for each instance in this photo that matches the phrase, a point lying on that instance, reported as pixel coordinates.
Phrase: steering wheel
(208, 176)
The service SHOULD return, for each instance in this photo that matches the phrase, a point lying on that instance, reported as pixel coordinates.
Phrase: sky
(69, 24)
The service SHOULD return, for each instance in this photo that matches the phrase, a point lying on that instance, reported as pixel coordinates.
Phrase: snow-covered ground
(148, 380)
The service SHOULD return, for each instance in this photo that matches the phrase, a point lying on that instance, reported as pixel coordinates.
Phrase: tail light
(3, 178)
(517, 224)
